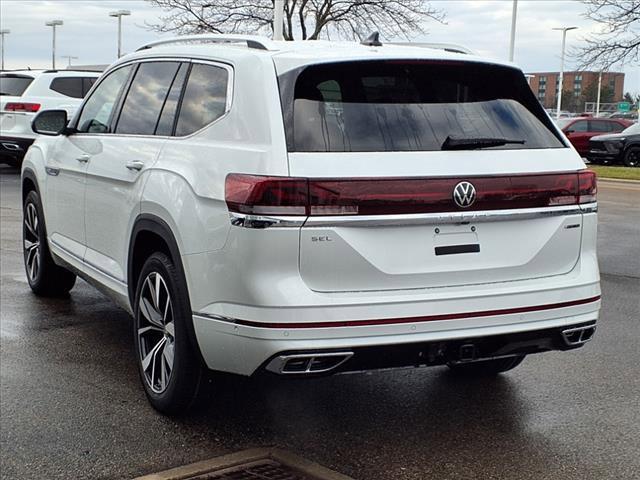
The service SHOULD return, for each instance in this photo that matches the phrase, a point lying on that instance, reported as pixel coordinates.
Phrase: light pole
(512, 43)
(69, 58)
(278, 18)
(3, 32)
(561, 76)
(119, 14)
(54, 24)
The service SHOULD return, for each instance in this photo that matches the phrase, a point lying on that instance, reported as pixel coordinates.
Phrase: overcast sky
(90, 34)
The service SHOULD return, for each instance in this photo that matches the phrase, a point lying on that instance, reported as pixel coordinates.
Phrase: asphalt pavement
(72, 407)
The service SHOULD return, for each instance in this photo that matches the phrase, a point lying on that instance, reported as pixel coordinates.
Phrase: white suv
(305, 208)
(25, 92)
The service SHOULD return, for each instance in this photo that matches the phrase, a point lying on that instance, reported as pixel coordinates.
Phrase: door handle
(84, 158)
(135, 165)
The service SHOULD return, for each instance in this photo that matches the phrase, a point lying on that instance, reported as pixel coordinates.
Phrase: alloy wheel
(156, 332)
(32, 250)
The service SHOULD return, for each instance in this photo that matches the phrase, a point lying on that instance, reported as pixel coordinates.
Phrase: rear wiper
(470, 143)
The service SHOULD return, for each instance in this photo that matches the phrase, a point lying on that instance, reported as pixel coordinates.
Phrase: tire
(486, 367)
(169, 368)
(632, 157)
(45, 277)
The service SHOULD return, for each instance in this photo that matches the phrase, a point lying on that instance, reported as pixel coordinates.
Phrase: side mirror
(50, 122)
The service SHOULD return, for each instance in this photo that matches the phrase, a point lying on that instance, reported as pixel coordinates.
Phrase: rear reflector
(22, 107)
(261, 195)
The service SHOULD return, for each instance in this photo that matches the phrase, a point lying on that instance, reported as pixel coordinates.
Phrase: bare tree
(618, 40)
(306, 19)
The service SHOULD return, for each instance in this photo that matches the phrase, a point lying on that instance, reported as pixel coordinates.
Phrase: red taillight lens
(253, 194)
(22, 107)
(258, 195)
(587, 186)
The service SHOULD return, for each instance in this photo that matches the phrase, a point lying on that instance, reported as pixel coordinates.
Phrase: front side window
(204, 99)
(146, 97)
(381, 106)
(97, 110)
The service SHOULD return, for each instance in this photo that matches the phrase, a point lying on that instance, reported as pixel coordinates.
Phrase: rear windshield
(375, 106)
(14, 85)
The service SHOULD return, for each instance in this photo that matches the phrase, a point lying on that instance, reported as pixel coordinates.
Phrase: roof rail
(252, 41)
(447, 47)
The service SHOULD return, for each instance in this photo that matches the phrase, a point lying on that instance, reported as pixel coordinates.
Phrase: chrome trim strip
(264, 221)
(447, 218)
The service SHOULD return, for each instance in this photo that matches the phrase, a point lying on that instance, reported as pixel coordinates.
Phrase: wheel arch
(150, 234)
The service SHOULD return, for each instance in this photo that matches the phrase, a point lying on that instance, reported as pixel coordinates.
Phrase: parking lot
(72, 405)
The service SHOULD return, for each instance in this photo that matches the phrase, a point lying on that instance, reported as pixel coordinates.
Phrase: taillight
(259, 195)
(22, 107)
(262, 195)
(587, 186)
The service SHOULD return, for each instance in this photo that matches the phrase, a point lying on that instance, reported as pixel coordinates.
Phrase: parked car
(580, 130)
(623, 147)
(307, 208)
(25, 92)
(632, 116)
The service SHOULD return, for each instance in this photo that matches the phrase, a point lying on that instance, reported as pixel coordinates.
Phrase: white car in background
(307, 208)
(23, 93)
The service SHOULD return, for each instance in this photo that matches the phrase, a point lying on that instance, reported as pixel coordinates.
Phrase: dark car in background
(623, 147)
(580, 130)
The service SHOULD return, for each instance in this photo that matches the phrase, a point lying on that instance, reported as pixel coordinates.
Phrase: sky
(484, 26)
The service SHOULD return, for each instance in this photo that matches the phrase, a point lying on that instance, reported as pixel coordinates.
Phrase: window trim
(122, 95)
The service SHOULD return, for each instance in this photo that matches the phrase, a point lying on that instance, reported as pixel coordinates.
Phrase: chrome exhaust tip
(307, 363)
(578, 335)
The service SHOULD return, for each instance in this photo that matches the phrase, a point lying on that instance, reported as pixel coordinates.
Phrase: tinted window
(596, 126)
(14, 85)
(146, 96)
(97, 110)
(87, 83)
(168, 115)
(580, 126)
(616, 127)
(412, 106)
(69, 86)
(205, 98)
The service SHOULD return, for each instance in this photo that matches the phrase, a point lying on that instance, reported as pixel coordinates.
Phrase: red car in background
(580, 130)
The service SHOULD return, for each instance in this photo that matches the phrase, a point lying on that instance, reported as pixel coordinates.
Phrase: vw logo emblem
(464, 194)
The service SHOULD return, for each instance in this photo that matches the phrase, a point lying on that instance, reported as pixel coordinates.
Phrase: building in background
(578, 88)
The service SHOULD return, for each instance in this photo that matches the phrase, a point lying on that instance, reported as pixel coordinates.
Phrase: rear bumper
(14, 147)
(229, 345)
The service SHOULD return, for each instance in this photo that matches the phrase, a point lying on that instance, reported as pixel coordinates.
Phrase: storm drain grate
(264, 470)
(257, 464)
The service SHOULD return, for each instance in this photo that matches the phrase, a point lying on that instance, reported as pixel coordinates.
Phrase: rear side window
(597, 126)
(146, 97)
(204, 99)
(14, 85)
(76, 87)
(377, 106)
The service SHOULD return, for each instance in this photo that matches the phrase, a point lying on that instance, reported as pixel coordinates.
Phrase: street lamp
(512, 43)
(561, 76)
(3, 32)
(69, 58)
(119, 14)
(54, 24)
